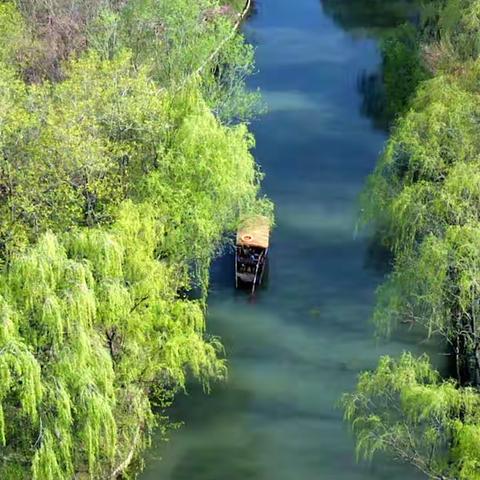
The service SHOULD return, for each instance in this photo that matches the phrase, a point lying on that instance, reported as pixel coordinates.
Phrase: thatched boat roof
(254, 232)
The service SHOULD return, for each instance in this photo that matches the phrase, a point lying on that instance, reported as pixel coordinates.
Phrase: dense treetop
(423, 200)
(124, 165)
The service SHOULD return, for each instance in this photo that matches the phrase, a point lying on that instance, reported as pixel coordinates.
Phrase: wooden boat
(253, 241)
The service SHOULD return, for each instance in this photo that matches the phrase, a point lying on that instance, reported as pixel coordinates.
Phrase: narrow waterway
(302, 342)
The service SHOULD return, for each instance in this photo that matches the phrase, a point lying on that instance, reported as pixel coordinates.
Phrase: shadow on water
(378, 258)
(375, 19)
(370, 17)
(372, 90)
(229, 462)
(253, 12)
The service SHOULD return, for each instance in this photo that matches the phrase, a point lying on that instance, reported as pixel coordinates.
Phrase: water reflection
(371, 17)
(374, 102)
(203, 463)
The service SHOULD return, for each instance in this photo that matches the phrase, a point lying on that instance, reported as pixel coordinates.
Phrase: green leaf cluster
(405, 409)
(119, 183)
(423, 200)
(180, 41)
(89, 323)
(401, 58)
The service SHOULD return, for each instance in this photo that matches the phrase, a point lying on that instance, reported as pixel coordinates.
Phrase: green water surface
(302, 342)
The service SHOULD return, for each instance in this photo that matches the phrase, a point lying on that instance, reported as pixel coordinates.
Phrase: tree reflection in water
(372, 18)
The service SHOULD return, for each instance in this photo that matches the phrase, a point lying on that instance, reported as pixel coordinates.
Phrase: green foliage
(118, 185)
(204, 185)
(406, 409)
(436, 138)
(437, 286)
(66, 389)
(12, 31)
(459, 28)
(86, 142)
(63, 303)
(81, 144)
(424, 198)
(427, 183)
(237, 5)
(401, 58)
(179, 42)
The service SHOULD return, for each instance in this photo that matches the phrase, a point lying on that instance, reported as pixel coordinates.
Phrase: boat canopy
(254, 232)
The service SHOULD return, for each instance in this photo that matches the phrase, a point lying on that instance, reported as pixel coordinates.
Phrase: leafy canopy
(123, 169)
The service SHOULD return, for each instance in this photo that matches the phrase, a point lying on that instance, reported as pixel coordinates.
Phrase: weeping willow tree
(122, 172)
(183, 41)
(89, 324)
(406, 409)
(96, 314)
(438, 289)
(435, 143)
(427, 185)
(204, 184)
(423, 199)
(58, 378)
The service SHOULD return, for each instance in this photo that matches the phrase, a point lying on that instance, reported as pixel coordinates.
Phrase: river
(306, 336)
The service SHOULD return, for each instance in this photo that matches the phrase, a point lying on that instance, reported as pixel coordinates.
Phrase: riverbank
(115, 182)
(426, 183)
